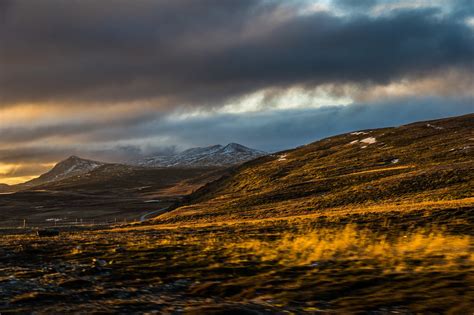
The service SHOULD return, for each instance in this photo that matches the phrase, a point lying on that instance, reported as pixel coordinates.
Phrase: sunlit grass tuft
(355, 267)
(420, 250)
(415, 251)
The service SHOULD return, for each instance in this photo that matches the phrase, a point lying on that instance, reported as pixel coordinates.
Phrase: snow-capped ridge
(214, 155)
(72, 166)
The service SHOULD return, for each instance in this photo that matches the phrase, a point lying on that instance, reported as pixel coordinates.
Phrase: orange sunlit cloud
(19, 173)
(271, 75)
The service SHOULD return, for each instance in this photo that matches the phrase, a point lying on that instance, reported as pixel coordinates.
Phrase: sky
(117, 80)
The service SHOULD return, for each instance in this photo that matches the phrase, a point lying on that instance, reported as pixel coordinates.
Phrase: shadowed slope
(375, 222)
(70, 167)
(425, 164)
(118, 178)
(212, 156)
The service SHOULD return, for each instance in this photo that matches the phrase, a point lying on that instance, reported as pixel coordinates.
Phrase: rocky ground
(298, 265)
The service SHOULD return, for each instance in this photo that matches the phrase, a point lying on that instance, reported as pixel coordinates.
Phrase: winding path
(159, 211)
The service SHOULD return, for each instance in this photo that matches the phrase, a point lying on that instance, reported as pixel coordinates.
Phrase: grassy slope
(265, 268)
(110, 192)
(422, 165)
(333, 228)
(117, 178)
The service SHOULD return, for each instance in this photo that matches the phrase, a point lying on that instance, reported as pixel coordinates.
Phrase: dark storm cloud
(278, 130)
(464, 8)
(36, 155)
(271, 131)
(69, 128)
(107, 79)
(189, 52)
(25, 170)
(359, 4)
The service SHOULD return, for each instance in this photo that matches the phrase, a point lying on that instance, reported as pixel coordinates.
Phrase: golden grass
(420, 250)
(416, 251)
(384, 169)
(354, 267)
(402, 206)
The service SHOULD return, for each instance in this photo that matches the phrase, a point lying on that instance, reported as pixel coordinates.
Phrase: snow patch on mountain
(369, 140)
(72, 166)
(434, 127)
(216, 155)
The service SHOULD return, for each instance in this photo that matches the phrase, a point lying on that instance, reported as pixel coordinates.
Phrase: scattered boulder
(47, 233)
(75, 283)
(99, 262)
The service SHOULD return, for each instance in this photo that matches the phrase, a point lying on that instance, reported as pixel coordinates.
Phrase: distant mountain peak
(235, 146)
(214, 155)
(71, 166)
(4, 187)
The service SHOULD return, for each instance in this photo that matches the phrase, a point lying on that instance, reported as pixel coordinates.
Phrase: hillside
(374, 221)
(119, 178)
(75, 173)
(109, 192)
(5, 188)
(70, 167)
(425, 164)
(78, 173)
(212, 156)
(88, 190)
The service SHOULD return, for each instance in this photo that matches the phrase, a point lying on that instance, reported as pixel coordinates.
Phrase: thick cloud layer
(269, 130)
(188, 52)
(118, 79)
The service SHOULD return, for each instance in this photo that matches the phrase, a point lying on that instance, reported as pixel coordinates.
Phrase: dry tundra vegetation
(378, 221)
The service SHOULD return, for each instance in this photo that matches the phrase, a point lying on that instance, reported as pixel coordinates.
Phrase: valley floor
(377, 221)
(410, 261)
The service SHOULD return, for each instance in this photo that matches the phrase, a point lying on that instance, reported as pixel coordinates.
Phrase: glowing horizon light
(292, 98)
(16, 180)
(470, 21)
(9, 171)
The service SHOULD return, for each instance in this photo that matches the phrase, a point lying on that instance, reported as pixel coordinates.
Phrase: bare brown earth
(410, 166)
(108, 194)
(338, 226)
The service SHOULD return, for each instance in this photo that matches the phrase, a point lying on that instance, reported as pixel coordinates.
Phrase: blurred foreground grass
(416, 251)
(299, 266)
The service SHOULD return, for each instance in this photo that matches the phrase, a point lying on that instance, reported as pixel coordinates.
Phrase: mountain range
(216, 155)
(416, 166)
(367, 220)
(74, 169)
(70, 167)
